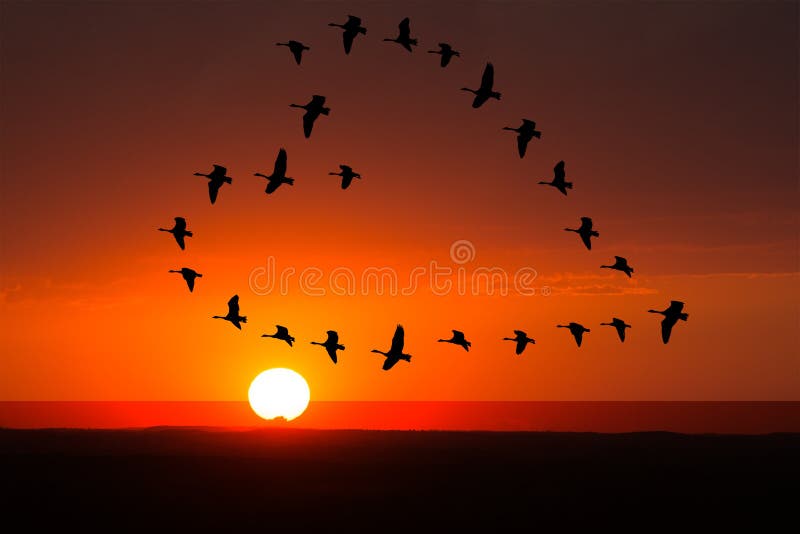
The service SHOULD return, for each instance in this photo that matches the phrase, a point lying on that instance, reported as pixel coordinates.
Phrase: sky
(678, 123)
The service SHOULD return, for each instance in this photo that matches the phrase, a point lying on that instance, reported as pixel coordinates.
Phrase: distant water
(687, 417)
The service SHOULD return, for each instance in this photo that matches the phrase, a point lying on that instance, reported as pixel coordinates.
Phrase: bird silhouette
(281, 333)
(179, 231)
(314, 109)
(522, 340)
(296, 48)
(447, 53)
(576, 330)
(525, 133)
(621, 264)
(215, 180)
(671, 316)
(558, 178)
(458, 339)
(331, 344)
(189, 275)
(404, 36)
(395, 353)
(278, 175)
(233, 313)
(484, 92)
(351, 28)
(347, 175)
(620, 325)
(585, 231)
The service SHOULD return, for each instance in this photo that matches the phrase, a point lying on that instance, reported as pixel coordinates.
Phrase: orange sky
(678, 125)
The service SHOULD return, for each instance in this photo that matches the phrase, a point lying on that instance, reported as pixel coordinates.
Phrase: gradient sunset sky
(678, 123)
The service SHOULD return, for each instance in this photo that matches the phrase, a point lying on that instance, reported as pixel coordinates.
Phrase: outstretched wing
(578, 336)
(347, 40)
(332, 352)
(521, 344)
(233, 306)
(353, 21)
(559, 174)
(180, 224)
(333, 338)
(346, 180)
(621, 332)
(308, 123)
(282, 331)
(297, 52)
(445, 58)
(587, 240)
(405, 29)
(675, 307)
(520, 333)
(280, 164)
(666, 329)
(586, 223)
(522, 144)
(213, 189)
(272, 186)
(189, 281)
(488, 77)
(180, 239)
(389, 362)
(398, 340)
(219, 172)
(480, 99)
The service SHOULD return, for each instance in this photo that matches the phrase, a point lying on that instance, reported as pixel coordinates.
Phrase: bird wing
(189, 281)
(405, 29)
(233, 305)
(308, 123)
(353, 21)
(347, 40)
(213, 189)
(235, 322)
(621, 331)
(586, 223)
(675, 307)
(480, 99)
(445, 59)
(219, 172)
(458, 335)
(389, 362)
(272, 186)
(559, 172)
(666, 329)
(180, 224)
(561, 187)
(317, 101)
(397, 340)
(346, 179)
(620, 260)
(332, 352)
(333, 338)
(521, 344)
(587, 240)
(297, 52)
(522, 145)
(487, 80)
(578, 336)
(520, 333)
(280, 164)
(180, 239)
(282, 331)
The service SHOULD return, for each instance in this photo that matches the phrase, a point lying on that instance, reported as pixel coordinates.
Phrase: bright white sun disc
(279, 392)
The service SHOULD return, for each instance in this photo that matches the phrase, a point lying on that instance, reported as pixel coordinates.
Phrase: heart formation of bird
(316, 107)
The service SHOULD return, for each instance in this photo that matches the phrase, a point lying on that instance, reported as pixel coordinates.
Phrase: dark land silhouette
(278, 176)
(281, 333)
(189, 275)
(282, 479)
(331, 345)
(485, 91)
(351, 29)
(585, 231)
(296, 48)
(458, 339)
(671, 316)
(559, 176)
(404, 35)
(233, 313)
(395, 353)
(215, 180)
(525, 133)
(577, 331)
(521, 340)
(179, 232)
(620, 326)
(347, 173)
(314, 109)
(447, 53)
(620, 264)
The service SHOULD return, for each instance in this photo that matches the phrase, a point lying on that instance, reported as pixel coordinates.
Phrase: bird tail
(199, 275)
(413, 42)
(537, 134)
(595, 233)
(228, 180)
(496, 95)
(406, 357)
(243, 319)
(325, 111)
(189, 233)
(340, 347)
(289, 181)
(568, 185)
(683, 316)
(362, 31)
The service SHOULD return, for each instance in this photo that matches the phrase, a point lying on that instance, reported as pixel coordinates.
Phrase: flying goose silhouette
(347, 175)
(395, 353)
(558, 179)
(331, 344)
(522, 340)
(314, 109)
(296, 48)
(447, 53)
(178, 231)
(585, 231)
(484, 92)
(525, 133)
(576, 330)
(671, 316)
(215, 180)
(281, 333)
(458, 339)
(278, 175)
(621, 264)
(233, 313)
(404, 36)
(189, 275)
(620, 325)
(351, 28)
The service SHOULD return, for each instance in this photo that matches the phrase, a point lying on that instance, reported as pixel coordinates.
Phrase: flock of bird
(526, 132)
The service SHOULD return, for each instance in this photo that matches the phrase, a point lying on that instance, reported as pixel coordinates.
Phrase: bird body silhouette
(296, 48)
(458, 339)
(189, 275)
(521, 340)
(671, 316)
(621, 264)
(179, 232)
(351, 29)
(331, 344)
(281, 333)
(620, 325)
(395, 353)
(347, 175)
(585, 231)
(314, 109)
(447, 53)
(215, 180)
(576, 330)
(278, 175)
(233, 313)
(404, 36)
(525, 133)
(485, 91)
(559, 175)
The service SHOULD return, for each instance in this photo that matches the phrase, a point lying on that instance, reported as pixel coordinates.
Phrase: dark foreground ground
(182, 480)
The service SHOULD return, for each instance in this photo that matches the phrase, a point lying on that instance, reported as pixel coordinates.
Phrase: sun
(279, 392)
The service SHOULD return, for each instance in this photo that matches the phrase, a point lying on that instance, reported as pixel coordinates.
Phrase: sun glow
(279, 392)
